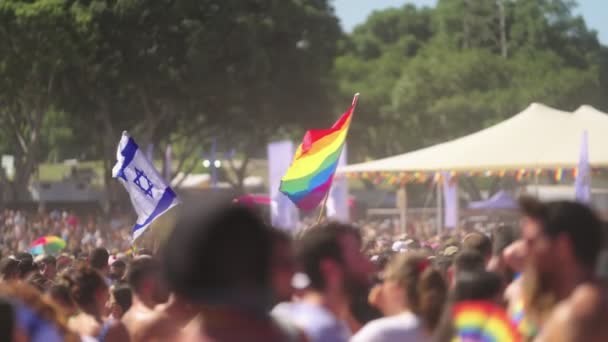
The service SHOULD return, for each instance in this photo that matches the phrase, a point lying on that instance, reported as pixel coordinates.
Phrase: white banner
(337, 202)
(283, 212)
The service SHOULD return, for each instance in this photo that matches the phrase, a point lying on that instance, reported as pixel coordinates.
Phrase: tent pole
(402, 206)
(439, 228)
(536, 183)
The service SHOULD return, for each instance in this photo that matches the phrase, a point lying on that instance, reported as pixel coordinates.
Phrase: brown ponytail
(432, 295)
(425, 288)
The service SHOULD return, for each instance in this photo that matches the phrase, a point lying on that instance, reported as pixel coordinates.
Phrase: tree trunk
(503, 29)
(109, 139)
(466, 28)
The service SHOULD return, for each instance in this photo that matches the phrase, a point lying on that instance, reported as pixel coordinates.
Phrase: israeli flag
(150, 194)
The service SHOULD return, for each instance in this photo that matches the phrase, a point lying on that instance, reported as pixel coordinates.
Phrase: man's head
(560, 236)
(48, 267)
(120, 301)
(99, 260)
(330, 254)
(221, 256)
(479, 243)
(9, 269)
(145, 279)
(117, 270)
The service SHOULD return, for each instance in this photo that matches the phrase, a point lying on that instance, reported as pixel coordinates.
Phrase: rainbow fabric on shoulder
(525, 327)
(483, 321)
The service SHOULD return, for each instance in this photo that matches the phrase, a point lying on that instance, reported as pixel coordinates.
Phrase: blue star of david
(139, 174)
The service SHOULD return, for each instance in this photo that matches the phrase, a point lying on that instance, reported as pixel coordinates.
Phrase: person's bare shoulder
(579, 318)
(587, 301)
(118, 332)
(157, 327)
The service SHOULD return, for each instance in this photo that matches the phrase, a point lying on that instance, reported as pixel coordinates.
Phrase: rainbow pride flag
(311, 173)
(480, 321)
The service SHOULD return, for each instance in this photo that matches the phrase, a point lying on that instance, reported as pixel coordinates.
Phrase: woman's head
(411, 282)
(120, 301)
(89, 289)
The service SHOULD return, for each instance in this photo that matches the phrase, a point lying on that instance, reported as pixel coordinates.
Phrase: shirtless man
(144, 278)
(582, 317)
(563, 241)
(166, 322)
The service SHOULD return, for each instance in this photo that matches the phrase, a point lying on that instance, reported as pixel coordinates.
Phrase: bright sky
(353, 12)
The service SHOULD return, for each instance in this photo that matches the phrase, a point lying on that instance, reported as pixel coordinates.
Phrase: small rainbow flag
(481, 321)
(311, 173)
(559, 173)
(518, 317)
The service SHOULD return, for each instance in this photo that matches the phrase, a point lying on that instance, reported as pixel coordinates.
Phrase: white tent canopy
(537, 138)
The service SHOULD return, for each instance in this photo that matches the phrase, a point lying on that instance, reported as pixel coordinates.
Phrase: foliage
(459, 76)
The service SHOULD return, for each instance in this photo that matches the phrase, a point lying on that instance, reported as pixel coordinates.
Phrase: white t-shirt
(404, 327)
(318, 323)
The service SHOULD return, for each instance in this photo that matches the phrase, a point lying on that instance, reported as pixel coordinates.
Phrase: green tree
(33, 64)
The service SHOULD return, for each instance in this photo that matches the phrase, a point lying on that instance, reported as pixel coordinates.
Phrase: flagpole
(323, 205)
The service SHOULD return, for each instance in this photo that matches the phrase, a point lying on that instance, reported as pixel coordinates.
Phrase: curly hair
(84, 283)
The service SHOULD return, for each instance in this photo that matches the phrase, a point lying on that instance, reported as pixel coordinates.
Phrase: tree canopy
(433, 74)
(75, 73)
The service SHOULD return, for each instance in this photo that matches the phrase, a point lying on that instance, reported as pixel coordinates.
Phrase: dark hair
(469, 261)
(319, 243)
(140, 269)
(477, 285)
(478, 242)
(26, 266)
(60, 293)
(576, 221)
(24, 256)
(9, 269)
(85, 282)
(279, 236)
(122, 295)
(38, 281)
(119, 264)
(7, 320)
(425, 287)
(99, 259)
(215, 254)
(49, 260)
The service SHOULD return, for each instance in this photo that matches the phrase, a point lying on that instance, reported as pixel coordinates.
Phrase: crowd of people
(225, 275)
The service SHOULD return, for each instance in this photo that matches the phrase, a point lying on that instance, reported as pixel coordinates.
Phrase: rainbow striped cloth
(523, 324)
(311, 173)
(481, 321)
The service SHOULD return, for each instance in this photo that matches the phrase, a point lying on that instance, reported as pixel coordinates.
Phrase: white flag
(150, 194)
(582, 183)
(283, 213)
